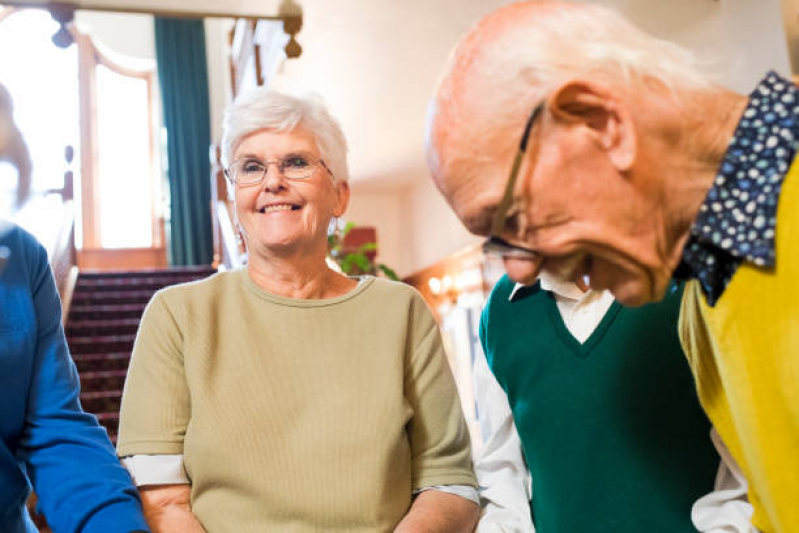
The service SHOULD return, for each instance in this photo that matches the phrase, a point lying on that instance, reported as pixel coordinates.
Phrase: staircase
(103, 319)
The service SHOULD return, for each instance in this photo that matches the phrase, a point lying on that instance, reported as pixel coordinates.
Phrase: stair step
(97, 327)
(96, 362)
(112, 297)
(102, 380)
(101, 344)
(115, 284)
(101, 401)
(100, 312)
(203, 270)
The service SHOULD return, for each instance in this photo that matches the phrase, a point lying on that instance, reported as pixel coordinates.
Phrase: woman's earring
(239, 234)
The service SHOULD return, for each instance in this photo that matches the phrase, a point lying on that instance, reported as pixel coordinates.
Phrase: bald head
(510, 61)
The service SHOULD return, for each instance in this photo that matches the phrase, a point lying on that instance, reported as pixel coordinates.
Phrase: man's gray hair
(544, 43)
(578, 39)
(267, 109)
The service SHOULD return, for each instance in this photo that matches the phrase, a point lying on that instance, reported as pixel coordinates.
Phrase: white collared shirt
(505, 483)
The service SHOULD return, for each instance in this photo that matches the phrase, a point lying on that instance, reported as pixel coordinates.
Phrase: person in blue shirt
(46, 440)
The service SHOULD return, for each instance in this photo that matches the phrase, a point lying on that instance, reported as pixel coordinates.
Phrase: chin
(634, 293)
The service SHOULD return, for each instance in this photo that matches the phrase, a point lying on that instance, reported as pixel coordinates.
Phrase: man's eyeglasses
(494, 244)
(246, 172)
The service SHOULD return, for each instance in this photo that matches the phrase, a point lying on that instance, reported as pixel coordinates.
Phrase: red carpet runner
(103, 319)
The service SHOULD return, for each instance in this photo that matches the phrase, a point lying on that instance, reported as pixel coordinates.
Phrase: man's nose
(522, 270)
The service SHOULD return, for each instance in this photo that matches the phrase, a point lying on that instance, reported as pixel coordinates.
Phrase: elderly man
(46, 440)
(634, 167)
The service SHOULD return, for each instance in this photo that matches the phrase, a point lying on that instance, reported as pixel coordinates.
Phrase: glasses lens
(497, 247)
(248, 172)
(296, 167)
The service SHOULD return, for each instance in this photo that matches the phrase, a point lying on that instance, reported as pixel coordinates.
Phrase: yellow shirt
(744, 353)
(296, 415)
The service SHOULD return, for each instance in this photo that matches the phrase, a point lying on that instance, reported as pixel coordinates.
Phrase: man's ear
(601, 110)
(342, 198)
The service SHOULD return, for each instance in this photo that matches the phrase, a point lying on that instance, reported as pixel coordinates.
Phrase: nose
(522, 270)
(274, 179)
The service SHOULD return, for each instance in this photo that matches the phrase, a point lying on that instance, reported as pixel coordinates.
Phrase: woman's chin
(277, 244)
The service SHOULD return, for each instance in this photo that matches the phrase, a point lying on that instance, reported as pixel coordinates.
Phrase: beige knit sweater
(295, 415)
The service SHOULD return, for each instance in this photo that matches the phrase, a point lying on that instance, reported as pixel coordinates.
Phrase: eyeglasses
(495, 245)
(246, 172)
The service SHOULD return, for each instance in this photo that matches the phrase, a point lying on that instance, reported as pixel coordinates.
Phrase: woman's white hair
(267, 109)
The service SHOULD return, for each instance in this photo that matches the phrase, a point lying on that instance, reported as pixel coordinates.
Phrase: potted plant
(356, 261)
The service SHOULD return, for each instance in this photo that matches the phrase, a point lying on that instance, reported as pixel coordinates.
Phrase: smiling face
(280, 215)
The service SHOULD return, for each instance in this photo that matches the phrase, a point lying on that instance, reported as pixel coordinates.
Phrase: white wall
(216, 45)
(741, 39)
(386, 212)
(128, 35)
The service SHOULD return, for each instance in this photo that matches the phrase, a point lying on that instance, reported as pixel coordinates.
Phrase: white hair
(541, 44)
(520, 53)
(565, 40)
(266, 109)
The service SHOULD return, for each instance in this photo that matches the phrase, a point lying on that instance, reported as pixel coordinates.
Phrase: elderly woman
(286, 396)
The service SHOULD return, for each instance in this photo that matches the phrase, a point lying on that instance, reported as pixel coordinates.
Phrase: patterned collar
(737, 220)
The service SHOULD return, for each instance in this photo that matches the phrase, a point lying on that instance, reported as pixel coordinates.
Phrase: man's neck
(707, 123)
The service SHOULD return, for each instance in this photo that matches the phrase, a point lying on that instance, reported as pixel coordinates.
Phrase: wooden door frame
(90, 56)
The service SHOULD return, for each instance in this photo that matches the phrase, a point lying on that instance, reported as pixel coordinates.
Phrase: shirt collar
(737, 219)
(565, 289)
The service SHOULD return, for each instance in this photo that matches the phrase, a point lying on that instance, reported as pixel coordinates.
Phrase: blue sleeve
(71, 463)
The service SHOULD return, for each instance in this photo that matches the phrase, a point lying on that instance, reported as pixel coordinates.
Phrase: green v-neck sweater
(611, 429)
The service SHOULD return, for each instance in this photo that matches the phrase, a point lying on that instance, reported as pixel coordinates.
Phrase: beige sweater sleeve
(440, 446)
(155, 403)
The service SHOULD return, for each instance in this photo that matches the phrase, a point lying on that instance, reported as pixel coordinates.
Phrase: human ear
(342, 198)
(603, 112)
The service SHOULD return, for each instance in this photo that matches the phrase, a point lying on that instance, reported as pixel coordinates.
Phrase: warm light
(435, 285)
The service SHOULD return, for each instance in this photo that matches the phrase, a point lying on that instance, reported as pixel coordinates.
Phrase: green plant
(359, 261)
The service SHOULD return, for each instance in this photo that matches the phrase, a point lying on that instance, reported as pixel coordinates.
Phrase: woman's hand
(167, 508)
(434, 511)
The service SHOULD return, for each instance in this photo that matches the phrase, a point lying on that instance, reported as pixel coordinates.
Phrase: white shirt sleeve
(503, 478)
(156, 470)
(464, 491)
(727, 508)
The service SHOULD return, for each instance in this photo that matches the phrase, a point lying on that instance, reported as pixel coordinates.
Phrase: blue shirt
(45, 438)
(737, 220)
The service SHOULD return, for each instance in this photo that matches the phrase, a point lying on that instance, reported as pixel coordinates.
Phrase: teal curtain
(183, 76)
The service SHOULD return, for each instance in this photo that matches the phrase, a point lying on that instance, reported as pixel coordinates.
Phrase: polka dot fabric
(737, 220)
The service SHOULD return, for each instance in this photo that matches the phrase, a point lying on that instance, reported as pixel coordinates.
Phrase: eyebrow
(250, 155)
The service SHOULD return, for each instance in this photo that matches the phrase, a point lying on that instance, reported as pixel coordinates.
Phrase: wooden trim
(90, 57)
(169, 13)
(125, 258)
(6, 12)
(90, 209)
(67, 292)
(102, 59)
